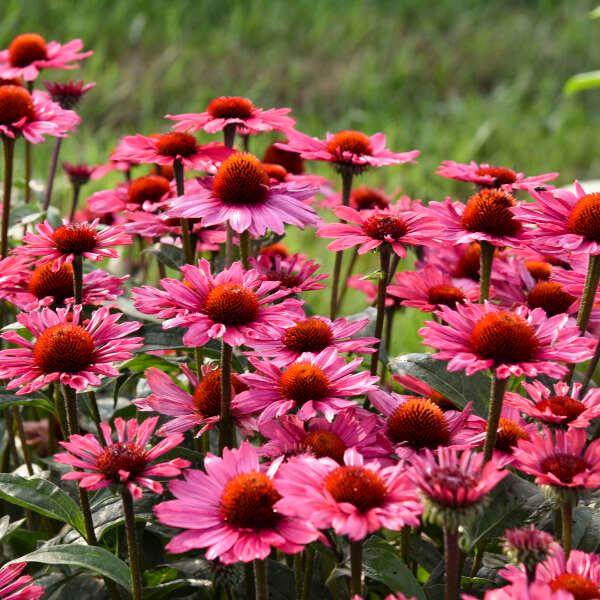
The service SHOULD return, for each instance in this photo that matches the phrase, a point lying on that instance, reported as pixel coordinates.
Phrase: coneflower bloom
(114, 164)
(361, 198)
(475, 337)
(60, 246)
(66, 349)
(560, 406)
(290, 435)
(560, 460)
(523, 590)
(229, 305)
(242, 194)
(232, 510)
(292, 162)
(314, 383)
(29, 53)
(127, 461)
(69, 94)
(370, 229)
(355, 498)
(421, 388)
(14, 586)
(295, 273)
(461, 261)
(312, 334)
(78, 174)
(528, 545)
(234, 111)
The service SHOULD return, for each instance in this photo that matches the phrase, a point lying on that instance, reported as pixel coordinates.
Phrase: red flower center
(176, 144)
(231, 304)
(419, 423)
(122, 456)
(488, 212)
(563, 406)
(581, 587)
(230, 107)
(446, 295)
(287, 279)
(384, 227)
(354, 142)
(550, 296)
(276, 249)
(150, 188)
(509, 433)
(303, 382)
(453, 483)
(207, 395)
(539, 269)
(64, 348)
(584, 219)
(504, 338)
(366, 198)
(356, 485)
(274, 171)
(248, 500)
(26, 48)
(291, 161)
(310, 335)
(564, 466)
(501, 176)
(15, 104)
(241, 179)
(59, 285)
(75, 238)
(325, 444)
(468, 264)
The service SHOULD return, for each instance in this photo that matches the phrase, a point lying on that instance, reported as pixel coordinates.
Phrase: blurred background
(457, 79)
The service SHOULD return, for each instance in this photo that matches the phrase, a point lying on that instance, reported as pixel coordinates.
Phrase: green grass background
(458, 79)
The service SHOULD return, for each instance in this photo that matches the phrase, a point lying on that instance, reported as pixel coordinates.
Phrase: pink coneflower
(126, 462)
(62, 244)
(347, 149)
(29, 53)
(488, 176)
(312, 334)
(560, 460)
(292, 162)
(65, 349)
(431, 288)
(232, 510)
(229, 305)
(421, 388)
(355, 498)
(461, 261)
(414, 424)
(78, 174)
(559, 407)
(242, 194)
(522, 342)
(32, 115)
(523, 590)
(370, 229)
(290, 435)
(528, 545)
(234, 111)
(113, 164)
(14, 586)
(313, 383)
(200, 408)
(295, 273)
(68, 95)
(361, 198)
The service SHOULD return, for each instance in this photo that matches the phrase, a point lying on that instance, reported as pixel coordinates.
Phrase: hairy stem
(132, 545)
(245, 249)
(384, 261)
(51, 175)
(567, 525)
(452, 555)
(497, 390)
(226, 432)
(78, 278)
(74, 201)
(186, 237)
(260, 580)
(356, 557)
(485, 270)
(9, 150)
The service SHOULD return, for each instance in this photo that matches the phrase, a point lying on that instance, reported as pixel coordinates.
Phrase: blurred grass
(458, 79)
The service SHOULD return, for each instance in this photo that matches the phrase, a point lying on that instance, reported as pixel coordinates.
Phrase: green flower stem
(51, 175)
(589, 292)
(299, 573)
(186, 236)
(309, 556)
(21, 433)
(260, 580)
(74, 201)
(356, 557)
(132, 545)
(384, 262)
(589, 372)
(567, 525)
(229, 246)
(498, 387)
(485, 269)
(226, 431)
(78, 278)
(452, 555)
(229, 134)
(9, 151)
(245, 249)
(349, 272)
(96, 415)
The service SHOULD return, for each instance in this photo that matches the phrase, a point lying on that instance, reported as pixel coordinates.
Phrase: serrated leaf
(582, 81)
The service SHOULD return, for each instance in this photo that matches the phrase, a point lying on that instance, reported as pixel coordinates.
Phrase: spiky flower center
(584, 219)
(509, 433)
(64, 348)
(276, 172)
(176, 144)
(58, 284)
(310, 335)
(241, 179)
(539, 269)
(75, 238)
(579, 586)
(488, 212)
(325, 444)
(121, 457)
(366, 198)
(230, 107)
(563, 406)
(292, 162)
(504, 338)
(550, 296)
(385, 227)
(26, 48)
(468, 264)
(501, 176)
(231, 304)
(564, 466)
(303, 382)
(358, 486)
(287, 279)
(273, 250)
(454, 485)
(445, 295)
(248, 501)
(15, 104)
(207, 395)
(150, 188)
(419, 423)
(353, 142)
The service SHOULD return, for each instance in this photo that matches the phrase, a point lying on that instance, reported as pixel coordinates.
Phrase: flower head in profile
(528, 545)
(292, 162)
(355, 498)
(295, 273)
(66, 349)
(361, 198)
(127, 461)
(232, 510)
(69, 94)
(14, 586)
(29, 53)
(475, 337)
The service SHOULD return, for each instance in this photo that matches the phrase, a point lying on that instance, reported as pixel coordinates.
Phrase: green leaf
(582, 81)
(11, 399)
(157, 338)
(6, 527)
(456, 386)
(595, 13)
(142, 362)
(41, 496)
(586, 529)
(92, 558)
(24, 214)
(169, 255)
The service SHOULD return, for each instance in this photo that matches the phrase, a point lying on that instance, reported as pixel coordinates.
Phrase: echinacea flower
(14, 586)
(562, 406)
(292, 162)
(232, 510)
(242, 194)
(69, 94)
(127, 462)
(475, 337)
(61, 245)
(29, 53)
(361, 198)
(295, 273)
(523, 590)
(355, 498)
(229, 305)
(528, 545)
(421, 388)
(66, 349)
(78, 174)
(461, 261)
(234, 111)
(313, 383)
(489, 176)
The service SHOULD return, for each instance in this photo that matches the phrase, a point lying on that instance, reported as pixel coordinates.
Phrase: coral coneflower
(14, 586)
(78, 174)
(292, 162)
(295, 273)
(68, 95)
(529, 546)
(361, 198)
(523, 590)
